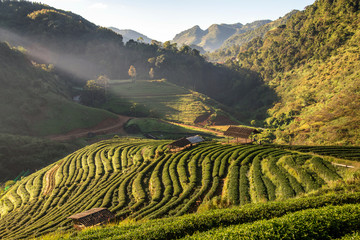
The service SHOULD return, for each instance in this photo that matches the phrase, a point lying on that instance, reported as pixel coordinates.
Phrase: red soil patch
(107, 126)
(203, 119)
(223, 120)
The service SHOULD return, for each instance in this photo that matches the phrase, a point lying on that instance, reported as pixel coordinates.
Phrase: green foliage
(44, 12)
(82, 50)
(95, 91)
(177, 227)
(231, 47)
(158, 128)
(132, 72)
(322, 223)
(141, 179)
(160, 99)
(312, 64)
(34, 101)
(344, 152)
(20, 153)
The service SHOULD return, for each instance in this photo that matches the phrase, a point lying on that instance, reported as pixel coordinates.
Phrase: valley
(238, 131)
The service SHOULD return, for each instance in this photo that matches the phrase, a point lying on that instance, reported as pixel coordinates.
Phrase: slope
(139, 179)
(161, 99)
(256, 221)
(313, 64)
(34, 102)
(81, 50)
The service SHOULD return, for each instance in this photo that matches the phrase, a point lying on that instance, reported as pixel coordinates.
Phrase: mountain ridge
(129, 34)
(215, 35)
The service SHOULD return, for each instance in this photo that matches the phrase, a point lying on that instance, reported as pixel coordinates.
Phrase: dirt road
(110, 125)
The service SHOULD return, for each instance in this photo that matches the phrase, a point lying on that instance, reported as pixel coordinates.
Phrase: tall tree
(132, 72)
(95, 91)
(151, 73)
(103, 81)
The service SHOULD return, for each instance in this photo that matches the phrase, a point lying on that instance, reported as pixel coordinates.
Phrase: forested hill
(83, 50)
(33, 101)
(231, 47)
(313, 63)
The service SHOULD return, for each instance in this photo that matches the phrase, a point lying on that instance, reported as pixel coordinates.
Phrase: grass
(146, 88)
(159, 99)
(21, 153)
(166, 130)
(62, 116)
(33, 101)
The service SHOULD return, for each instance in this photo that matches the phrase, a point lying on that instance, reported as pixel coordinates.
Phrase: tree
(140, 39)
(151, 73)
(95, 91)
(170, 46)
(185, 49)
(103, 81)
(132, 72)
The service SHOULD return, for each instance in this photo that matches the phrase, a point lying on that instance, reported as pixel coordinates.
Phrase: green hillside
(140, 179)
(27, 154)
(34, 102)
(161, 99)
(231, 47)
(79, 50)
(337, 216)
(312, 63)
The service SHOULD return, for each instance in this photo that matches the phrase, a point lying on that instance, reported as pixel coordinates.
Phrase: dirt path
(109, 125)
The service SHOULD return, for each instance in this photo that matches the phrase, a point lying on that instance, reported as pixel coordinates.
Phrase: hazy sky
(161, 20)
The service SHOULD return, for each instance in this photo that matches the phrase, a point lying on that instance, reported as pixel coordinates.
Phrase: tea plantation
(141, 179)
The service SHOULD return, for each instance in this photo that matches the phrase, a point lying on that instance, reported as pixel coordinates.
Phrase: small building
(92, 217)
(183, 143)
(241, 133)
(195, 139)
(77, 98)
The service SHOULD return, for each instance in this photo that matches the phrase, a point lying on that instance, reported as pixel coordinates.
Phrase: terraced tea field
(140, 179)
(158, 99)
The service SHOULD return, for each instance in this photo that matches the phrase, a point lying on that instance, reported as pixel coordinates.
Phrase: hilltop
(213, 37)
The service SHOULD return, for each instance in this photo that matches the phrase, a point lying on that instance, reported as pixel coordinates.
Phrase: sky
(163, 19)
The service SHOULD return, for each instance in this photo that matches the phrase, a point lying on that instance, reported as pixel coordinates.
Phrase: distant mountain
(213, 37)
(231, 47)
(241, 38)
(128, 34)
(200, 49)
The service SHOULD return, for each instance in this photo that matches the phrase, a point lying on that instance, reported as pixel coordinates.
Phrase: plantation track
(141, 179)
(110, 125)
